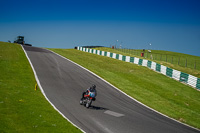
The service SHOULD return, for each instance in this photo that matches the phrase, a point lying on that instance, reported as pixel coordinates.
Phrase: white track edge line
(38, 82)
(127, 94)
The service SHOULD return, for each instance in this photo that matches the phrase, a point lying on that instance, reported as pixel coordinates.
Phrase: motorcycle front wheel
(89, 102)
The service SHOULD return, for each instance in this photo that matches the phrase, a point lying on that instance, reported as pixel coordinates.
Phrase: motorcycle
(87, 99)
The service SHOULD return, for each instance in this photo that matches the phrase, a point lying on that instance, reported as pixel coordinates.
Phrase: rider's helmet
(93, 86)
(92, 89)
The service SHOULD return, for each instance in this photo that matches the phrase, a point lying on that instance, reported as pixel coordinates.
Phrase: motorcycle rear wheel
(81, 101)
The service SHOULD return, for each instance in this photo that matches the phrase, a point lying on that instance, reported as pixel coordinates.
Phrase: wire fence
(183, 61)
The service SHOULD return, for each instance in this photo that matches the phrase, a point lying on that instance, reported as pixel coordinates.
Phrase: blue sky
(172, 25)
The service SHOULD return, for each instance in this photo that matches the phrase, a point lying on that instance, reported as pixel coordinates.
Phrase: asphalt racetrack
(113, 112)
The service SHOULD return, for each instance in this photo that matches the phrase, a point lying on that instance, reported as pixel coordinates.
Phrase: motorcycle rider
(89, 90)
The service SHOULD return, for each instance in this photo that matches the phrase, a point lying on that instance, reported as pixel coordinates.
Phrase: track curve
(113, 112)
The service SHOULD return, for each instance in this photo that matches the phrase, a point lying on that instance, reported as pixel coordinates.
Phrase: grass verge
(22, 109)
(157, 91)
(182, 62)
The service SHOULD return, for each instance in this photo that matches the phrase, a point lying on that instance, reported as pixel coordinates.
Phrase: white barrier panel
(176, 74)
(98, 52)
(136, 60)
(120, 57)
(144, 63)
(94, 51)
(192, 80)
(128, 58)
(114, 55)
(163, 69)
(108, 54)
(153, 65)
(102, 53)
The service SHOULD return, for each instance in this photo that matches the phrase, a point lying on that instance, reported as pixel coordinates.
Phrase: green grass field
(22, 109)
(183, 62)
(155, 90)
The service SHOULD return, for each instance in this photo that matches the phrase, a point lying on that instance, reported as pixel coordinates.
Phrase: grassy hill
(22, 109)
(183, 62)
(159, 92)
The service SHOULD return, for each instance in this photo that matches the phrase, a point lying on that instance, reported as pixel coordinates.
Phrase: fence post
(186, 62)
(172, 59)
(179, 60)
(195, 64)
(166, 58)
(161, 57)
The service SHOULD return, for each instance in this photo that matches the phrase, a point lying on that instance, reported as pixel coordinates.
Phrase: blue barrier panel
(132, 59)
(124, 58)
(158, 67)
(140, 62)
(184, 77)
(169, 72)
(198, 83)
(149, 64)
(105, 53)
(117, 56)
(111, 55)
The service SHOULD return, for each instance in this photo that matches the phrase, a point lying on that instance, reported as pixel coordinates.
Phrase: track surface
(113, 112)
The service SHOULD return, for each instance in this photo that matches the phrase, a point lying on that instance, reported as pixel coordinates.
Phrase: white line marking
(38, 82)
(113, 113)
(113, 87)
(131, 97)
(102, 126)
